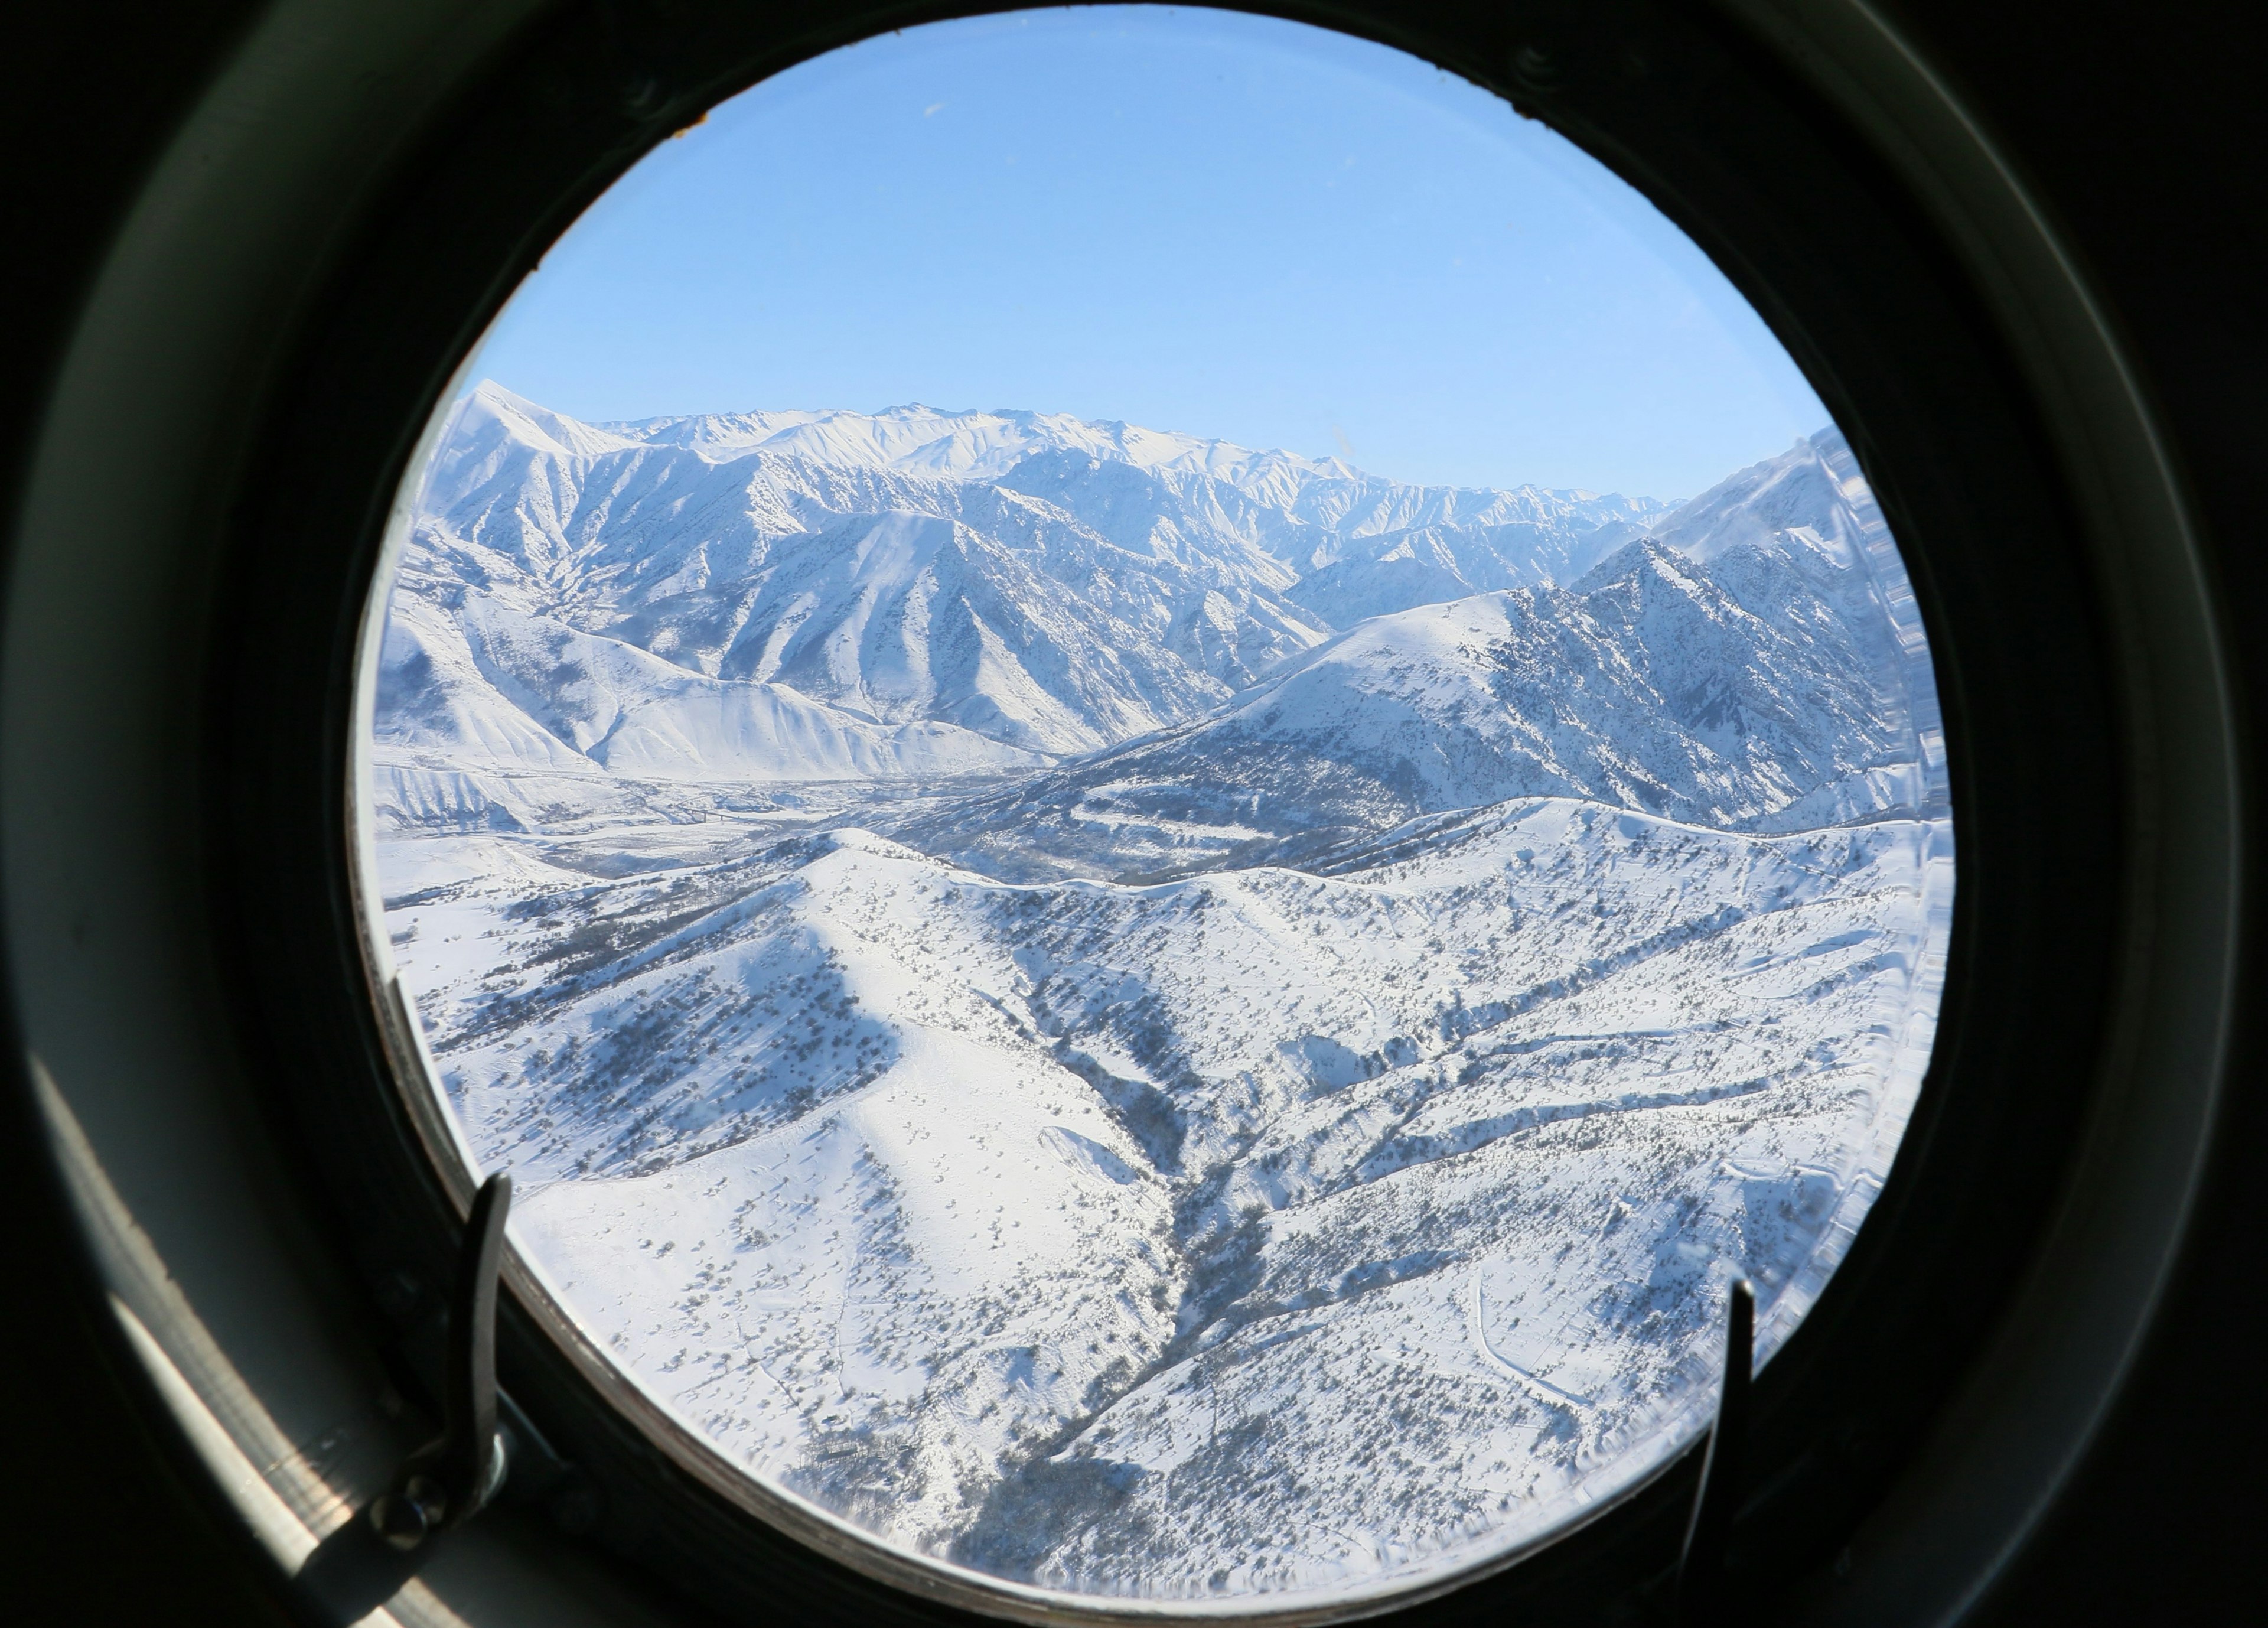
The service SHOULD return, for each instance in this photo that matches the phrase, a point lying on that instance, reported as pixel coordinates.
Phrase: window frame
(415, 261)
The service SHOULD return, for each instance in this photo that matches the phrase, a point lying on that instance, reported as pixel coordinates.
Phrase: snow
(1047, 1005)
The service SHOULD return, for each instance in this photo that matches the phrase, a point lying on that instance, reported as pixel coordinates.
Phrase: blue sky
(1198, 221)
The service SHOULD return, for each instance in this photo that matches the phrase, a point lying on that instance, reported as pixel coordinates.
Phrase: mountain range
(1154, 1020)
(789, 598)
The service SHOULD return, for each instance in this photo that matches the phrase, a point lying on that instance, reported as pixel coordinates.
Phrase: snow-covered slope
(1041, 1228)
(492, 686)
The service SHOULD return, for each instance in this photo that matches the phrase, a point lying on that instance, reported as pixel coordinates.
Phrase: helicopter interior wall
(2144, 156)
(117, 1531)
(2151, 159)
(135, 1514)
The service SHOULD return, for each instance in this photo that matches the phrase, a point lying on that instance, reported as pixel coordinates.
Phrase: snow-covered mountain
(793, 597)
(1162, 1020)
(1646, 685)
(1047, 584)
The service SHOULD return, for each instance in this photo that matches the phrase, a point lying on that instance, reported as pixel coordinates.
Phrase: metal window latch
(446, 1482)
(451, 1479)
(1701, 1591)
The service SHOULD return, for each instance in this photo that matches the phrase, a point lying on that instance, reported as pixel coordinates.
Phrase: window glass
(1161, 785)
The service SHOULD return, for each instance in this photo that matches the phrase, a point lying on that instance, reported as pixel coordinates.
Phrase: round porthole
(1129, 1019)
(1180, 993)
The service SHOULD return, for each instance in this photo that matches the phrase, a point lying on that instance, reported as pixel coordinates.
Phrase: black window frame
(1904, 336)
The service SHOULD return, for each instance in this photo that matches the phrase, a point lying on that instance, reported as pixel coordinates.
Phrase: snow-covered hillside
(1646, 685)
(1149, 1018)
(1044, 1228)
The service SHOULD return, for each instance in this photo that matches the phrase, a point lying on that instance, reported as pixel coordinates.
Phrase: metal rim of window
(269, 1219)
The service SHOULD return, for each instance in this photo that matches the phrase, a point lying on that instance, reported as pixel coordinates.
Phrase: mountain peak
(492, 413)
(1794, 492)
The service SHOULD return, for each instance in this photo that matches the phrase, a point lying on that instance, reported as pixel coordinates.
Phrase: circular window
(1191, 987)
(1096, 1021)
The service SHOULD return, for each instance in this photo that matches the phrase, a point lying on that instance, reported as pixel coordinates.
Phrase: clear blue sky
(1193, 220)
